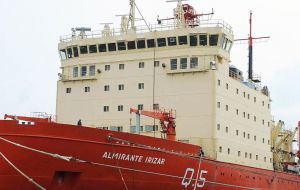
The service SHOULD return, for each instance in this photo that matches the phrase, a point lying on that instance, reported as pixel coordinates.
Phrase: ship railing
(144, 29)
(65, 78)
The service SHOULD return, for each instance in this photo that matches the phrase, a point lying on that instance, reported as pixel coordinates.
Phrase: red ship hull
(113, 160)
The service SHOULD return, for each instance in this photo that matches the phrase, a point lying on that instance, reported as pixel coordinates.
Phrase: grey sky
(30, 31)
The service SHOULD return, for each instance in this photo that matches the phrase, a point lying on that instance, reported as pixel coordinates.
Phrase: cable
(30, 180)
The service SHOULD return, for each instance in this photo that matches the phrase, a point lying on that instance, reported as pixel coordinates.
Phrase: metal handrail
(144, 29)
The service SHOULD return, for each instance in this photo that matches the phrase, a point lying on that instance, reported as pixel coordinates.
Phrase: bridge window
(83, 71)
(121, 66)
(112, 47)
(75, 72)
(161, 42)
(131, 45)
(121, 87)
(182, 40)
(213, 40)
(102, 48)
(75, 51)
(93, 49)
(83, 49)
(141, 86)
(63, 54)
(141, 64)
(173, 64)
(69, 53)
(194, 62)
(121, 46)
(172, 41)
(203, 40)
(141, 44)
(92, 70)
(150, 43)
(193, 40)
(183, 63)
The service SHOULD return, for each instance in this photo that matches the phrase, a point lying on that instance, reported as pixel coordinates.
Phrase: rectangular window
(87, 89)
(155, 106)
(161, 42)
(182, 40)
(63, 54)
(106, 108)
(141, 65)
(183, 63)
(83, 49)
(194, 62)
(120, 107)
(112, 47)
(193, 40)
(121, 66)
(203, 39)
(156, 63)
(83, 71)
(140, 107)
(68, 90)
(150, 43)
(131, 45)
(172, 41)
(141, 44)
(173, 64)
(121, 86)
(93, 49)
(75, 72)
(69, 52)
(75, 51)
(107, 67)
(219, 104)
(121, 46)
(237, 132)
(106, 88)
(141, 86)
(102, 48)
(213, 39)
(92, 70)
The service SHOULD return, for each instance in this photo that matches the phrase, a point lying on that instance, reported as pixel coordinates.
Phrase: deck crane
(167, 121)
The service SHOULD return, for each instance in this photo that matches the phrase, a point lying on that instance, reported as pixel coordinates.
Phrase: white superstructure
(180, 66)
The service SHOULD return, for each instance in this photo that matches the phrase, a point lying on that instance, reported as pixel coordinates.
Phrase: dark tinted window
(172, 41)
(75, 51)
(213, 40)
(203, 39)
(83, 49)
(121, 46)
(112, 47)
(102, 48)
(161, 42)
(141, 44)
(131, 45)
(93, 49)
(193, 40)
(151, 43)
(69, 53)
(182, 40)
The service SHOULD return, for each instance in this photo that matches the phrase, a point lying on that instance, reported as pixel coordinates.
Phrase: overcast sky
(30, 31)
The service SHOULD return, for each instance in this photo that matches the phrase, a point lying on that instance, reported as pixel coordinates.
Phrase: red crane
(167, 121)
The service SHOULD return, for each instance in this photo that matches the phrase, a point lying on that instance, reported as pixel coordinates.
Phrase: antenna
(250, 53)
